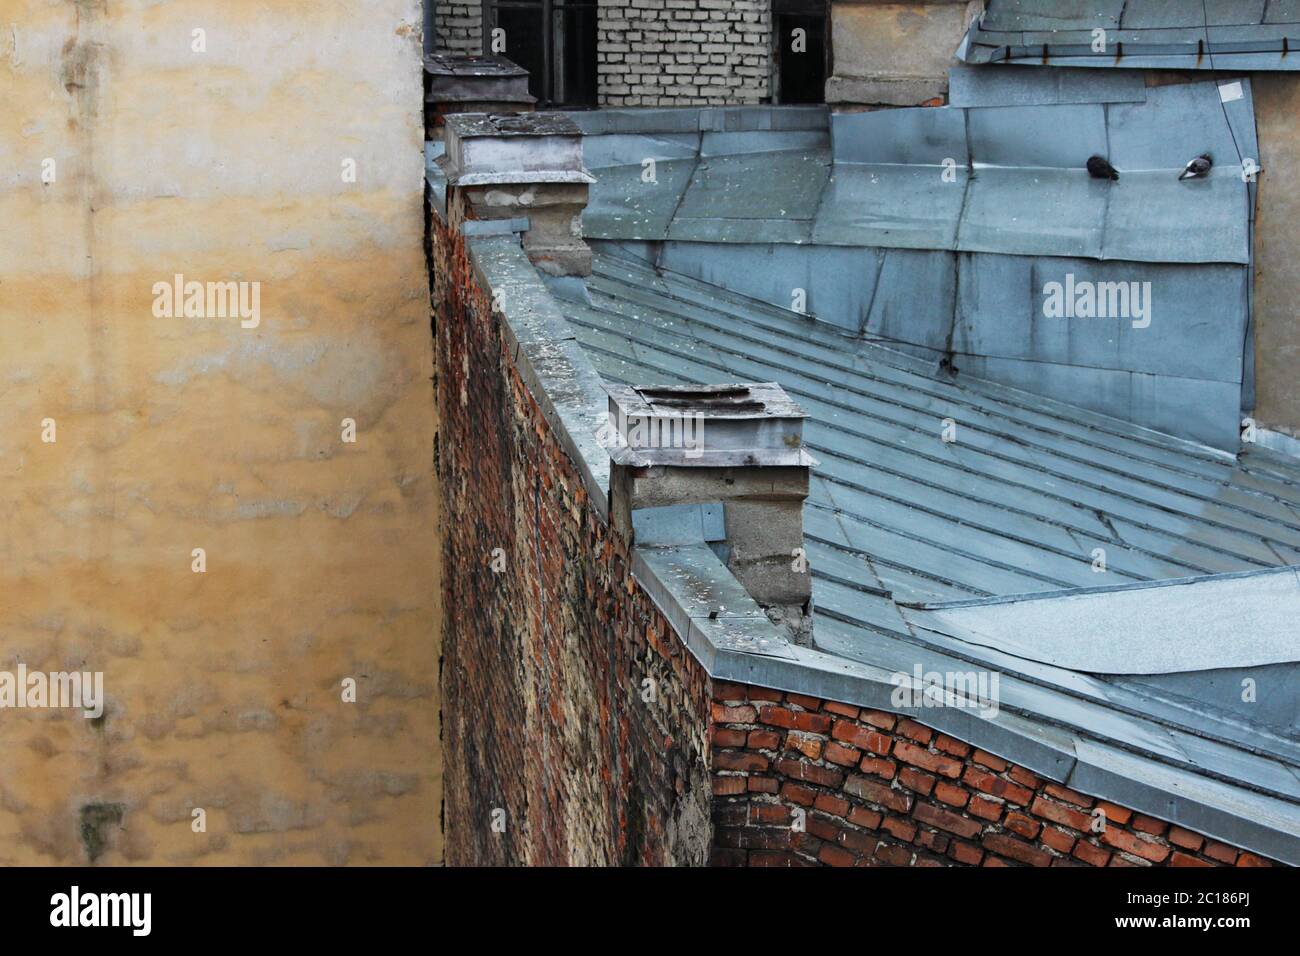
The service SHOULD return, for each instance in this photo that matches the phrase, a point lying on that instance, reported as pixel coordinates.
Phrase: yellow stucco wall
(1277, 268)
(223, 688)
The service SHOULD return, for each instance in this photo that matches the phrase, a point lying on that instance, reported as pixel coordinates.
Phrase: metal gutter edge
(1046, 750)
(559, 376)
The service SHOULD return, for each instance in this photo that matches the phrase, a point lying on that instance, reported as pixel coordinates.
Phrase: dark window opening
(800, 45)
(554, 40)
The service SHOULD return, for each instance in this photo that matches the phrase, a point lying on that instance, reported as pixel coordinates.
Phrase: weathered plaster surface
(223, 688)
(1277, 270)
(894, 53)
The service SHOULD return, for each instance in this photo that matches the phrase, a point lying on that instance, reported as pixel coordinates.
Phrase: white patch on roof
(1186, 625)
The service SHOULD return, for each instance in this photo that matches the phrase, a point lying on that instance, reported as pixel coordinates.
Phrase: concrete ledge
(891, 91)
(707, 606)
(558, 373)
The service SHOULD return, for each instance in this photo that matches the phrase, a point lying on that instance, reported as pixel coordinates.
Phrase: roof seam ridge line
(879, 258)
(1060, 411)
(852, 585)
(899, 566)
(1094, 703)
(1130, 710)
(896, 565)
(1109, 588)
(1074, 531)
(1101, 368)
(1186, 765)
(1204, 459)
(776, 311)
(1067, 501)
(1016, 441)
(985, 529)
(1183, 515)
(1269, 544)
(969, 555)
(695, 167)
(996, 413)
(1011, 440)
(965, 193)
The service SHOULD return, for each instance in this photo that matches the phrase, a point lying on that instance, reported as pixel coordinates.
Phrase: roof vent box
(485, 149)
(705, 426)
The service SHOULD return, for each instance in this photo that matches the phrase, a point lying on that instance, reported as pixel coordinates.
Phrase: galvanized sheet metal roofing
(1015, 505)
(899, 519)
(956, 261)
(1241, 620)
(1016, 183)
(1160, 34)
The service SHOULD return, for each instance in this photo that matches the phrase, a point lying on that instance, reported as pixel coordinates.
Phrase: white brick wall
(657, 52)
(459, 26)
(683, 52)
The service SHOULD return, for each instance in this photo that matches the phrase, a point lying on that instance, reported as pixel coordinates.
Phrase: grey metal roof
(1016, 180)
(1160, 34)
(936, 554)
(898, 520)
(994, 86)
(1242, 620)
(952, 220)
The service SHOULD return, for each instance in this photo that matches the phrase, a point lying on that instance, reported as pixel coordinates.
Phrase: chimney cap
(514, 148)
(476, 79)
(471, 125)
(444, 64)
(746, 424)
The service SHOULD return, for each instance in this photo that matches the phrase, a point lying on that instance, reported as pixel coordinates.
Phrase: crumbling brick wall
(575, 722)
(874, 789)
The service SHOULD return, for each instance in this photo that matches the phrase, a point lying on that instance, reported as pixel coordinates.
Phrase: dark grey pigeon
(1098, 168)
(1197, 167)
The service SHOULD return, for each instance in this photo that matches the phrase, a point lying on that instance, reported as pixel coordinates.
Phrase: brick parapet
(799, 781)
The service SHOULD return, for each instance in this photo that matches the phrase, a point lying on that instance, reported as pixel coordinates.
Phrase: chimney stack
(522, 165)
(738, 447)
(473, 84)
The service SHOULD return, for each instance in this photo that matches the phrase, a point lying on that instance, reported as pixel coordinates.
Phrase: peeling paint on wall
(131, 152)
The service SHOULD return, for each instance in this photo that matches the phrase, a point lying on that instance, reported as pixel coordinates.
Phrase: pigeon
(1197, 168)
(1098, 168)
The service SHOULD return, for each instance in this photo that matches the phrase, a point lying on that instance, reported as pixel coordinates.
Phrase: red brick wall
(545, 663)
(880, 790)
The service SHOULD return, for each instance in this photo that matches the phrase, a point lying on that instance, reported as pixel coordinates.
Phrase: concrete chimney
(473, 84)
(737, 447)
(522, 165)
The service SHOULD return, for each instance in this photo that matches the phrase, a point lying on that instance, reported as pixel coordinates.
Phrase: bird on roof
(1197, 168)
(1098, 168)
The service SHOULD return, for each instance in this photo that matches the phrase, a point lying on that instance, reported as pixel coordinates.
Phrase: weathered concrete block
(895, 54)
